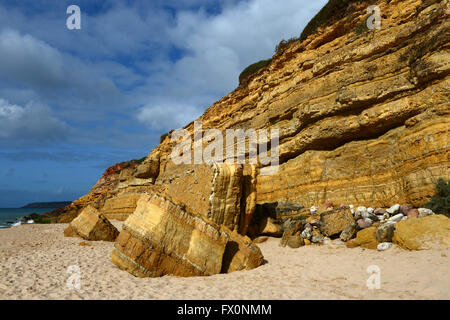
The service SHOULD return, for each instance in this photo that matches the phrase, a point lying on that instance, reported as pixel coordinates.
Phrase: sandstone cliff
(363, 117)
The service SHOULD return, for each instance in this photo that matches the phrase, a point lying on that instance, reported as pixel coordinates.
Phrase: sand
(34, 260)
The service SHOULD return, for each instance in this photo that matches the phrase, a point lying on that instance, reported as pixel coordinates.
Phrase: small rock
(351, 208)
(384, 246)
(364, 223)
(328, 204)
(295, 241)
(260, 239)
(85, 244)
(316, 239)
(371, 216)
(394, 209)
(307, 233)
(326, 241)
(348, 232)
(423, 212)
(385, 232)
(379, 211)
(360, 212)
(412, 213)
(307, 242)
(370, 210)
(313, 209)
(405, 208)
(396, 218)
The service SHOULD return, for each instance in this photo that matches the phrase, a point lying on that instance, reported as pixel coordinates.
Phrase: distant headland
(49, 205)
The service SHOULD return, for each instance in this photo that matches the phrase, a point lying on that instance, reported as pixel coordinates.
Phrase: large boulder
(335, 221)
(423, 233)
(91, 225)
(163, 238)
(365, 238)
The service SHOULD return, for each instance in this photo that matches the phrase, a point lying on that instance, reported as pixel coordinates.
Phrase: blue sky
(73, 102)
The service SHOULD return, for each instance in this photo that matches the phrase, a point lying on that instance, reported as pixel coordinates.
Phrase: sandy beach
(34, 260)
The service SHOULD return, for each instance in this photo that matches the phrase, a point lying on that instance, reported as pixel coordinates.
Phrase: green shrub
(251, 69)
(440, 202)
(163, 136)
(283, 43)
(334, 9)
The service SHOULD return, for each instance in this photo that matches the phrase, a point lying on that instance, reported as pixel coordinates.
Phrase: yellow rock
(423, 233)
(161, 238)
(91, 225)
(365, 238)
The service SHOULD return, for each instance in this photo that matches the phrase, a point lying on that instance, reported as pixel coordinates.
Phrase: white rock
(30, 221)
(396, 218)
(352, 210)
(404, 218)
(313, 209)
(384, 246)
(423, 212)
(307, 233)
(361, 212)
(370, 210)
(394, 209)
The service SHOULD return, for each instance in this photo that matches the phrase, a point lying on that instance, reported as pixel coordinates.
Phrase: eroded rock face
(363, 118)
(423, 233)
(120, 206)
(91, 225)
(161, 238)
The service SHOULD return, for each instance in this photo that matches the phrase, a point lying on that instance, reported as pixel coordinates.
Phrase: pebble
(364, 223)
(307, 233)
(396, 218)
(394, 209)
(379, 211)
(384, 246)
(423, 212)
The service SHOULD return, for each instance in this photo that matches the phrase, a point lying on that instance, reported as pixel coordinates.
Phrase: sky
(74, 102)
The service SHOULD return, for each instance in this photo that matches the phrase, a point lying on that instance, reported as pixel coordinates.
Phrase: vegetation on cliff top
(440, 202)
(251, 69)
(334, 9)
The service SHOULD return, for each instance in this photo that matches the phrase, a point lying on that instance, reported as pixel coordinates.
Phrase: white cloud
(29, 60)
(34, 122)
(168, 117)
(218, 48)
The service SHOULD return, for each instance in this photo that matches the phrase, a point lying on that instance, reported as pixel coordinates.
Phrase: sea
(12, 216)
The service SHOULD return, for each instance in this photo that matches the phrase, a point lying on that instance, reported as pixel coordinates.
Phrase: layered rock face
(162, 238)
(91, 225)
(363, 118)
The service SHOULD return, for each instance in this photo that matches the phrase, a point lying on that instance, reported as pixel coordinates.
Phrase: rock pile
(371, 228)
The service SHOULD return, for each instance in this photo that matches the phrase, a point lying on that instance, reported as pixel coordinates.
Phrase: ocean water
(11, 216)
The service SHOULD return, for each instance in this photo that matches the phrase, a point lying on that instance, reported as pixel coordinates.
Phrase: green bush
(251, 69)
(334, 9)
(440, 202)
(284, 43)
(163, 136)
